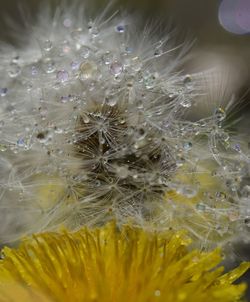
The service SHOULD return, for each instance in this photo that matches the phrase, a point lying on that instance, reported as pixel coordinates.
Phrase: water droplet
(186, 103)
(107, 58)
(85, 51)
(74, 65)
(88, 70)
(34, 70)
(111, 100)
(47, 45)
(187, 81)
(20, 142)
(67, 22)
(247, 222)
(187, 146)
(220, 196)
(220, 114)
(158, 52)
(116, 68)
(14, 70)
(3, 91)
(3, 147)
(94, 31)
(157, 293)
(49, 65)
(149, 80)
(120, 28)
(62, 76)
(122, 172)
(200, 206)
(237, 148)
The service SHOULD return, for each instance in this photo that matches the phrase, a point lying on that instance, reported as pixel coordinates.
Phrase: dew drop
(49, 65)
(220, 114)
(157, 293)
(122, 172)
(107, 58)
(67, 22)
(120, 28)
(247, 222)
(3, 91)
(187, 146)
(74, 65)
(88, 70)
(200, 206)
(187, 81)
(116, 68)
(62, 76)
(14, 70)
(85, 51)
(186, 103)
(20, 142)
(47, 45)
(3, 147)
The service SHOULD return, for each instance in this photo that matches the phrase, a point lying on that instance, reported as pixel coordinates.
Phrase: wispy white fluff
(93, 121)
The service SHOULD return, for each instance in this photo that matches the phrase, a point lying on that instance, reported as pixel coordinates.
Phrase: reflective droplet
(88, 70)
(187, 81)
(47, 45)
(67, 22)
(247, 222)
(84, 52)
(107, 58)
(116, 68)
(49, 65)
(120, 28)
(187, 146)
(201, 207)
(34, 70)
(157, 293)
(158, 52)
(111, 100)
(20, 142)
(14, 70)
(62, 76)
(3, 147)
(186, 103)
(220, 114)
(74, 65)
(122, 172)
(3, 91)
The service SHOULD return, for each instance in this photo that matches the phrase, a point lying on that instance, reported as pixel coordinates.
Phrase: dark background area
(198, 19)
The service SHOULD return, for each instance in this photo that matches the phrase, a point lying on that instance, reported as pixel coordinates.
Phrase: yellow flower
(107, 264)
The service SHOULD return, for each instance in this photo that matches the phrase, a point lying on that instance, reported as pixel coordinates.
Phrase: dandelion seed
(100, 109)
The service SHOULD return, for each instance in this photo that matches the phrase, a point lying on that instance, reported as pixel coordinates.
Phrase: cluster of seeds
(93, 124)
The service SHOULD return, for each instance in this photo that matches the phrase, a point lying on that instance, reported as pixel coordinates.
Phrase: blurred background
(220, 30)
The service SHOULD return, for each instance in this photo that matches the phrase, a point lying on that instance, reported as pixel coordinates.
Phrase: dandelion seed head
(94, 118)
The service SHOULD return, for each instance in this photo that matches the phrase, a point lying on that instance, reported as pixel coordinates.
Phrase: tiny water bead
(14, 70)
(120, 28)
(88, 70)
(3, 91)
(116, 68)
(20, 142)
(47, 45)
(220, 114)
(84, 52)
(187, 146)
(67, 22)
(49, 65)
(62, 76)
(107, 58)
